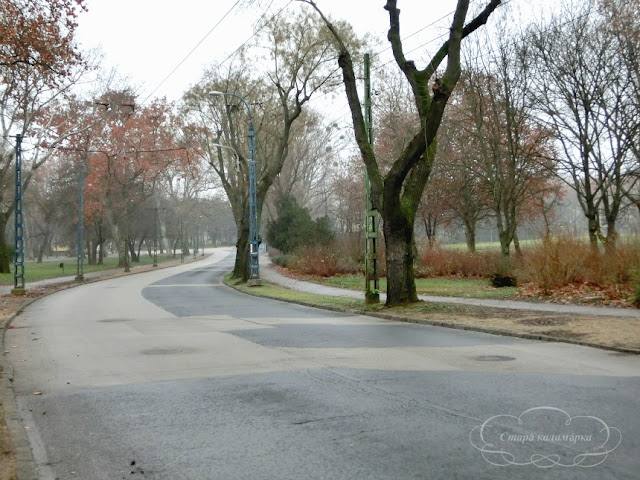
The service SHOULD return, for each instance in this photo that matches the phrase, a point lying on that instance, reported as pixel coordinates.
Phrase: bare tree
(396, 194)
(469, 204)
(622, 22)
(589, 97)
(347, 196)
(510, 149)
(305, 175)
(301, 63)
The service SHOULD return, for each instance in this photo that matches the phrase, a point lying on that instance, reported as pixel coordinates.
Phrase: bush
(323, 261)
(443, 262)
(294, 227)
(282, 260)
(560, 262)
(554, 263)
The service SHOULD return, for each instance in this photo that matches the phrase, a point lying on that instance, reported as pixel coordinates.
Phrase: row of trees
(537, 112)
(550, 109)
(38, 64)
(500, 120)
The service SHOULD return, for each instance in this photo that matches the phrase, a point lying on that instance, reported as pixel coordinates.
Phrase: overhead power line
(191, 51)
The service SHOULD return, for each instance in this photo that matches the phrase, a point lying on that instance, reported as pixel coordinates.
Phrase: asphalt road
(172, 375)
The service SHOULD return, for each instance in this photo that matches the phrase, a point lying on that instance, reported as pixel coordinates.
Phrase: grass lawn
(51, 268)
(446, 287)
(270, 290)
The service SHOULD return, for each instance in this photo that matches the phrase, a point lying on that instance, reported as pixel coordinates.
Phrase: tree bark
(6, 249)
(241, 265)
(401, 283)
(470, 235)
(43, 247)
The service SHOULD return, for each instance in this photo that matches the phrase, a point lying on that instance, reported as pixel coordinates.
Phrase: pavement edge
(455, 326)
(25, 464)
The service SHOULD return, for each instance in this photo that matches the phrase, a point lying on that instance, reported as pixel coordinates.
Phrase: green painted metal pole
(80, 233)
(18, 246)
(372, 277)
(155, 237)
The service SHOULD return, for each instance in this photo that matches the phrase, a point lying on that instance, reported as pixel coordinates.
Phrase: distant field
(623, 238)
(51, 268)
(489, 245)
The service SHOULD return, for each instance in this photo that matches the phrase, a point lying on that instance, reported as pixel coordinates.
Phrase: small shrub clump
(323, 261)
(563, 263)
(554, 263)
(445, 262)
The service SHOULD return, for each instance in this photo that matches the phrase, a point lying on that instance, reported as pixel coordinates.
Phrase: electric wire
(191, 51)
(339, 118)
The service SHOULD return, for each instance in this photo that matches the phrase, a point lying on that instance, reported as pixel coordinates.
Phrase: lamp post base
(18, 291)
(254, 282)
(371, 298)
(79, 278)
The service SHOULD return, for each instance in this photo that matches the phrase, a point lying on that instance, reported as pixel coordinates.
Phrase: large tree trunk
(594, 228)
(132, 251)
(516, 244)
(401, 287)
(611, 241)
(430, 227)
(398, 225)
(241, 266)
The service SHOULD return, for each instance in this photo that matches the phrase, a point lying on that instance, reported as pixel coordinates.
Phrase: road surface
(172, 375)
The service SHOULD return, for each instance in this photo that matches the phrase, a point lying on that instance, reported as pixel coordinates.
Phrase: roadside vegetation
(34, 271)
(556, 269)
(616, 333)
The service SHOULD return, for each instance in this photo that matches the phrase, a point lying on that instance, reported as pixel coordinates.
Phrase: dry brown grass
(568, 265)
(442, 262)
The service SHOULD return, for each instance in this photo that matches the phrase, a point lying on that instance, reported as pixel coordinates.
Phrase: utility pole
(254, 242)
(184, 189)
(80, 240)
(181, 240)
(18, 245)
(155, 237)
(195, 241)
(372, 278)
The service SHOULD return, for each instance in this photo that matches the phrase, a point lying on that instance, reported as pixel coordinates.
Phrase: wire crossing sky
(164, 47)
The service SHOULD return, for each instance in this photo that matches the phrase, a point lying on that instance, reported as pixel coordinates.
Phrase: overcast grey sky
(147, 39)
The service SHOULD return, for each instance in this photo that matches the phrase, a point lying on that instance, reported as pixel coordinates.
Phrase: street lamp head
(215, 92)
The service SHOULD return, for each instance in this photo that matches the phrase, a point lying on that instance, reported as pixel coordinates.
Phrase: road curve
(172, 375)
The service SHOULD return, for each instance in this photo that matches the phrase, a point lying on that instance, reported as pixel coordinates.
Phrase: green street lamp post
(18, 245)
(254, 267)
(80, 235)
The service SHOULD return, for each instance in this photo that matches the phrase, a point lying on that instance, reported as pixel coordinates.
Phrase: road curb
(455, 326)
(25, 463)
